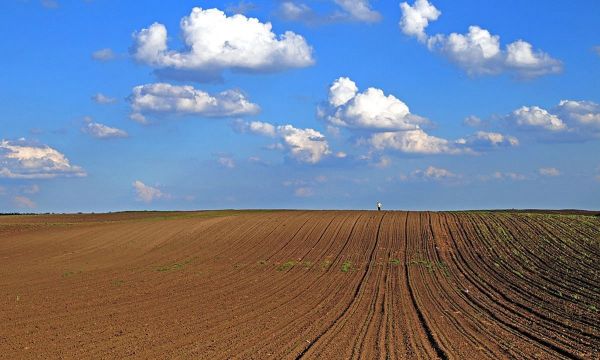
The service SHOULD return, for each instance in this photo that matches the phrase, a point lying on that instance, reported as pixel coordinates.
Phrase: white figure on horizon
(378, 206)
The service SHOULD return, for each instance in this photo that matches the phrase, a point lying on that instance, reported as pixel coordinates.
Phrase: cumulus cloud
(484, 140)
(23, 160)
(104, 55)
(549, 171)
(147, 194)
(535, 117)
(24, 202)
(215, 42)
(368, 110)
(100, 98)
(101, 131)
(348, 10)
(162, 98)
(413, 141)
(435, 173)
(416, 18)
(304, 145)
(584, 114)
(478, 52)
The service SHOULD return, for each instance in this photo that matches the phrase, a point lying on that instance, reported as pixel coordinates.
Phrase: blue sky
(110, 105)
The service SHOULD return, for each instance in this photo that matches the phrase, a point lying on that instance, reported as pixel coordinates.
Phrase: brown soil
(300, 284)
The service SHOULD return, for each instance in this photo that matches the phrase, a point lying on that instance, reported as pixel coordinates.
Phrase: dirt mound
(300, 284)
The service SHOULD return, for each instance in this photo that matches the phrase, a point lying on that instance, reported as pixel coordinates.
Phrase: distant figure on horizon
(378, 206)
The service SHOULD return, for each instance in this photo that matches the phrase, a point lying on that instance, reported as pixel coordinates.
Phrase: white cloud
(597, 49)
(370, 110)
(24, 202)
(186, 100)
(483, 139)
(226, 161)
(549, 171)
(472, 121)
(101, 131)
(105, 54)
(215, 41)
(359, 10)
(22, 160)
(432, 173)
(304, 192)
(478, 52)
(498, 175)
(147, 193)
(535, 117)
(416, 18)
(413, 141)
(348, 10)
(580, 113)
(304, 145)
(100, 98)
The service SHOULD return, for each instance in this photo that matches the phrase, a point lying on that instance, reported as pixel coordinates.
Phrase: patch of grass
(173, 267)
(326, 264)
(432, 265)
(593, 308)
(67, 274)
(117, 282)
(346, 266)
(307, 264)
(395, 261)
(287, 265)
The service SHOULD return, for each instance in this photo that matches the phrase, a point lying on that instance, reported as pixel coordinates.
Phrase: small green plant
(326, 264)
(395, 261)
(307, 264)
(287, 265)
(67, 274)
(117, 282)
(173, 267)
(593, 308)
(346, 266)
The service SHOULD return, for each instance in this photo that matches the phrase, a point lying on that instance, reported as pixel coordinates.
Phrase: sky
(317, 104)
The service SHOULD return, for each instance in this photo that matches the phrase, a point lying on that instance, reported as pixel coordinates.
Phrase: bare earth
(300, 284)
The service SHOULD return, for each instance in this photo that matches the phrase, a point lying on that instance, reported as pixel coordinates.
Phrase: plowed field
(300, 284)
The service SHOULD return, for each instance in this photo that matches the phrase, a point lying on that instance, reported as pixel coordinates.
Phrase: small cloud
(498, 175)
(304, 192)
(226, 161)
(348, 11)
(147, 193)
(241, 7)
(383, 162)
(24, 202)
(104, 55)
(100, 98)
(549, 171)
(597, 50)
(434, 173)
(473, 121)
(50, 4)
(341, 155)
(101, 131)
